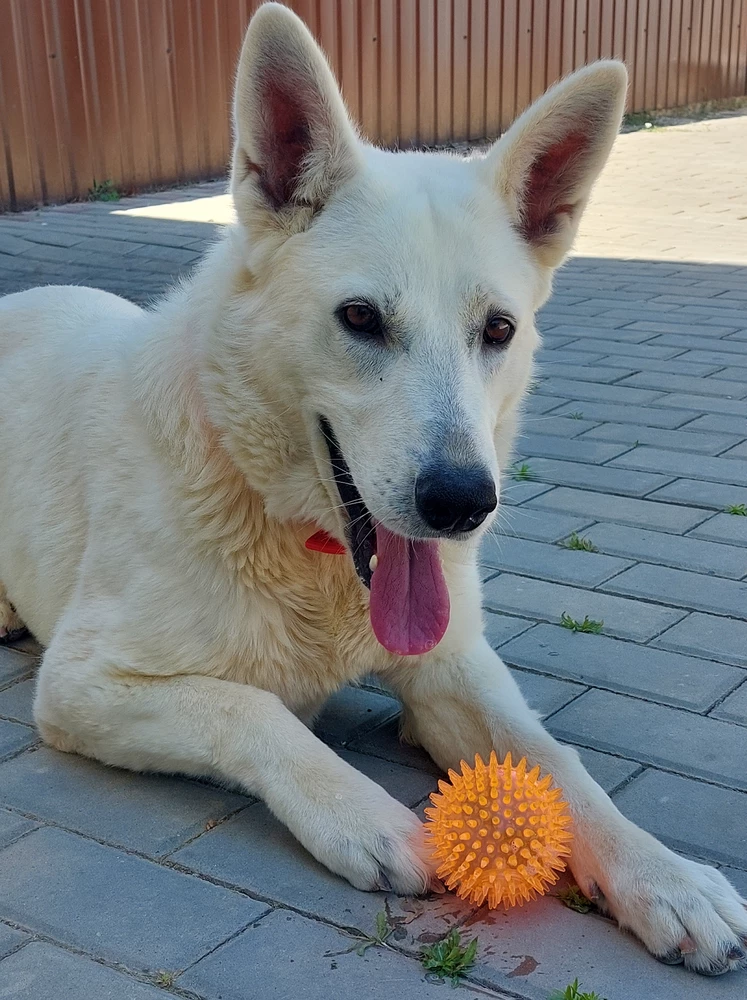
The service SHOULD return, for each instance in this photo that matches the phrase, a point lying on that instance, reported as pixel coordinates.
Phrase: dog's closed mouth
(409, 598)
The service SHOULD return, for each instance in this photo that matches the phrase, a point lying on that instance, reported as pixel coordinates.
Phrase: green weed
(449, 958)
(587, 625)
(575, 541)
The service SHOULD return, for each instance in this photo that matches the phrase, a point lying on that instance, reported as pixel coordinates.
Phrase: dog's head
(379, 333)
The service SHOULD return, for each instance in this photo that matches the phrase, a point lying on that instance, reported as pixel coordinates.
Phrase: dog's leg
(104, 707)
(11, 626)
(681, 910)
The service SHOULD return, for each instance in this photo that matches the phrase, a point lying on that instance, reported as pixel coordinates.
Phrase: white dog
(349, 358)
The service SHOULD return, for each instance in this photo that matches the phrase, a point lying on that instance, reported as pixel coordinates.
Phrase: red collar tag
(320, 541)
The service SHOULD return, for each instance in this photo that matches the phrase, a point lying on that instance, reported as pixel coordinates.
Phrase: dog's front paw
(373, 841)
(684, 912)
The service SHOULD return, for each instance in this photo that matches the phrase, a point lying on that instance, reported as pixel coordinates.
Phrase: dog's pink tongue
(409, 599)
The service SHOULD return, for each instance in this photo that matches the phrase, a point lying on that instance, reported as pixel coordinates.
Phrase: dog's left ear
(545, 165)
(294, 143)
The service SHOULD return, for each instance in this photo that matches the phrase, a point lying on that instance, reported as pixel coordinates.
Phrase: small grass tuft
(103, 191)
(575, 541)
(740, 509)
(378, 939)
(587, 625)
(573, 992)
(576, 415)
(572, 897)
(449, 958)
(523, 471)
(164, 978)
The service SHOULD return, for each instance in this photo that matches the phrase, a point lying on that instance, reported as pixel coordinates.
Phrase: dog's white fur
(161, 471)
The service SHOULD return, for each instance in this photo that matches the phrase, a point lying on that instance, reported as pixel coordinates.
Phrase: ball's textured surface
(499, 832)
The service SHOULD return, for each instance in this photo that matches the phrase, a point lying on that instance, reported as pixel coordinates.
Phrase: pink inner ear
(550, 184)
(286, 138)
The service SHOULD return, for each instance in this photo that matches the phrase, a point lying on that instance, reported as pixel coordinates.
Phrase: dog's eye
(361, 318)
(498, 331)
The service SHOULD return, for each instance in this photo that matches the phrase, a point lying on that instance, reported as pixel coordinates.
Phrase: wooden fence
(138, 91)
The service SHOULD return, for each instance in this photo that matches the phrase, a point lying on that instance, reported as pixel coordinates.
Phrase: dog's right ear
(294, 143)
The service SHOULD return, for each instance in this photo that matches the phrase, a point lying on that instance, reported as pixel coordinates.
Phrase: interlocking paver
(690, 816)
(552, 562)
(547, 601)
(713, 636)
(17, 700)
(13, 826)
(10, 940)
(728, 528)
(624, 510)
(599, 661)
(645, 340)
(153, 814)
(683, 589)
(294, 957)
(42, 972)
(656, 734)
(116, 906)
(670, 550)
(733, 708)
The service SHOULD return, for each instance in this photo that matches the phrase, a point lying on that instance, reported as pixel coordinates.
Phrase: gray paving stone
(114, 905)
(733, 709)
(658, 437)
(738, 878)
(606, 770)
(352, 711)
(42, 972)
(384, 742)
(16, 701)
(538, 403)
(597, 660)
(683, 589)
(502, 628)
(547, 601)
(738, 451)
(671, 367)
(735, 373)
(403, 783)
(293, 957)
(622, 413)
(728, 528)
(574, 389)
(715, 470)
(538, 525)
(547, 424)
(13, 826)
(537, 445)
(553, 562)
(10, 940)
(14, 665)
(671, 738)
(513, 492)
(642, 352)
(596, 331)
(14, 737)
(624, 510)
(689, 816)
(683, 328)
(150, 813)
(696, 344)
(686, 383)
(727, 356)
(702, 404)
(594, 477)
(546, 694)
(713, 636)
(563, 946)
(255, 852)
(698, 493)
(575, 368)
(671, 550)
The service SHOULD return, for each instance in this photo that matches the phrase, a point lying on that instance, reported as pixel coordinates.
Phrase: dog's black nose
(455, 499)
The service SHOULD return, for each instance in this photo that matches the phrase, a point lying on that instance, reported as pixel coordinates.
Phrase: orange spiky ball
(499, 832)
